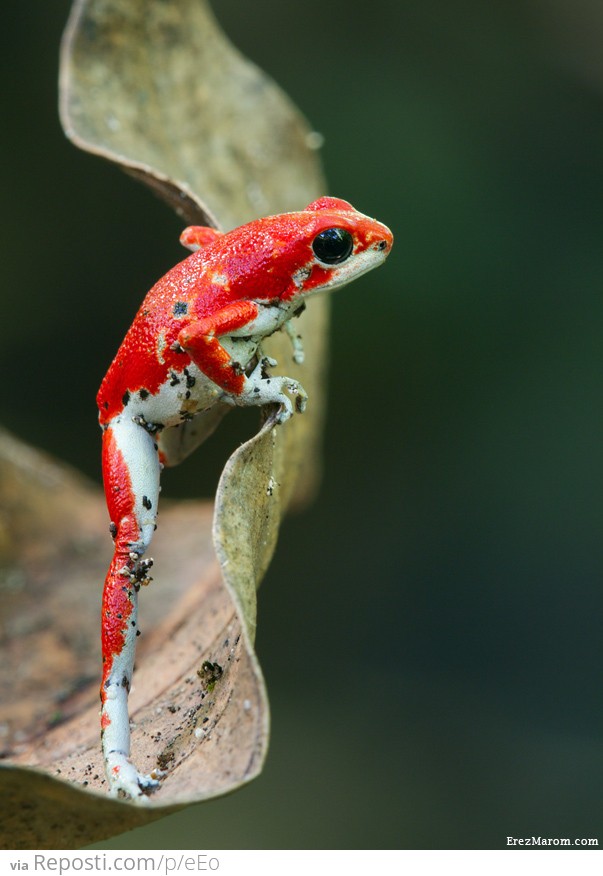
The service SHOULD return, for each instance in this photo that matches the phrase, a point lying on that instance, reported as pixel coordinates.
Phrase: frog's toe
(126, 781)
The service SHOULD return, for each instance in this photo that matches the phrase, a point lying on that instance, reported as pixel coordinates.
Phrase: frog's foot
(295, 389)
(126, 781)
(262, 389)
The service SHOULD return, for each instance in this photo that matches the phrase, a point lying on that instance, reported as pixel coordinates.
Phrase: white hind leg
(131, 477)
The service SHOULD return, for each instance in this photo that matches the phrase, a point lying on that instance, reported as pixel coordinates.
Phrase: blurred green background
(434, 658)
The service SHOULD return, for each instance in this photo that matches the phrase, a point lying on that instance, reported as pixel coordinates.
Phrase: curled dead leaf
(158, 89)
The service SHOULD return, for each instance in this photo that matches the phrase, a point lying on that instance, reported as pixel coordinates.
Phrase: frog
(192, 353)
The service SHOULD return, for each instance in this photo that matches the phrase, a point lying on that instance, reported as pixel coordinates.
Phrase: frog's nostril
(382, 244)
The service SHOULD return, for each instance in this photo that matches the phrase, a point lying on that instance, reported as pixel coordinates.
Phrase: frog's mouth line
(362, 264)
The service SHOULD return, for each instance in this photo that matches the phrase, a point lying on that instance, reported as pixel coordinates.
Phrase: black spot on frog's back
(180, 308)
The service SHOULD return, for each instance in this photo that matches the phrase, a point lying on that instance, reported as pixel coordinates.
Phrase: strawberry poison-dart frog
(193, 350)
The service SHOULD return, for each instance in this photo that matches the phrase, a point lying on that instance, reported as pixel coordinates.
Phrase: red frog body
(192, 352)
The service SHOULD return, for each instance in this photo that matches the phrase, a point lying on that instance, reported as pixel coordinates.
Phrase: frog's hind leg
(131, 476)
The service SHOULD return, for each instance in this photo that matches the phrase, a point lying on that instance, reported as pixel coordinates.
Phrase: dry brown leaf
(156, 88)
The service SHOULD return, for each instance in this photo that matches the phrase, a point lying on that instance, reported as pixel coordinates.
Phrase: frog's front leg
(131, 478)
(296, 342)
(196, 237)
(201, 341)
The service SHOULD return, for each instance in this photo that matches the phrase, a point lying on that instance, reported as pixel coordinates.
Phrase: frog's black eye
(333, 246)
